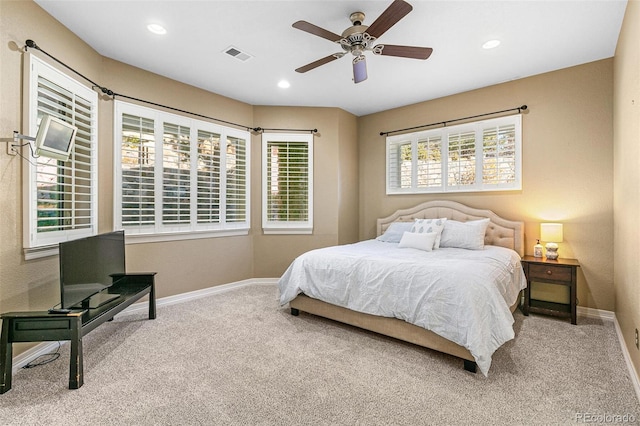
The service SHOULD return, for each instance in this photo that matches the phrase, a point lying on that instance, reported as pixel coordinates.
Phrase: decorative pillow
(421, 241)
(394, 232)
(466, 235)
(430, 225)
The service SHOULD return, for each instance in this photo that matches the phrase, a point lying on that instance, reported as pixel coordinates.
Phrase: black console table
(43, 326)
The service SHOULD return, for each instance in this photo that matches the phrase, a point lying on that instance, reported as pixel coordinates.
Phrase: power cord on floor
(51, 357)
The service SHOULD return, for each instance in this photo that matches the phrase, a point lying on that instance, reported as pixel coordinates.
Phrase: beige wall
(567, 164)
(627, 178)
(335, 185)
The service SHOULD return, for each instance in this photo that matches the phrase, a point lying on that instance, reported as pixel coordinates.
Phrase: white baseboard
(47, 347)
(596, 313)
(191, 295)
(30, 354)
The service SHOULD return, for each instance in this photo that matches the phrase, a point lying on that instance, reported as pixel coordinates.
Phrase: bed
(458, 301)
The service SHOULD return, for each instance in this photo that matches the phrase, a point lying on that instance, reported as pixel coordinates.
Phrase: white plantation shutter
(236, 180)
(62, 202)
(499, 155)
(287, 183)
(176, 174)
(138, 171)
(208, 186)
(400, 165)
(480, 156)
(461, 159)
(175, 180)
(429, 155)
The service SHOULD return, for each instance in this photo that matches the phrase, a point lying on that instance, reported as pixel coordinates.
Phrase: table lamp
(552, 234)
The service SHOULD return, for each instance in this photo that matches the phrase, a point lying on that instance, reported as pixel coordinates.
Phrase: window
(62, 200)
(179, 178)
(480, 156)
(287, 181)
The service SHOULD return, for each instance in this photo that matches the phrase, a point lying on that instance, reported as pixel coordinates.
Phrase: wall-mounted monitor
(55, 138)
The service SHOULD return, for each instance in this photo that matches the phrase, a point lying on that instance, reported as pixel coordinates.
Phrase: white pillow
(430, 225)
(421, 241)
(466, 235)
(394, 232)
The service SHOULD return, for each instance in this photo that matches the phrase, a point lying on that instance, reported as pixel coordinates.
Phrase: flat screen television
(55, 138)
(86, 269)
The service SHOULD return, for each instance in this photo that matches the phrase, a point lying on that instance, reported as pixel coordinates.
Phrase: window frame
(478, 129)
(193, 230)
(287, 227)
(41, 244)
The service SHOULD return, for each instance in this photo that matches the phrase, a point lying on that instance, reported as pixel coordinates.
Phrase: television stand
(99, 299)
(39, 326)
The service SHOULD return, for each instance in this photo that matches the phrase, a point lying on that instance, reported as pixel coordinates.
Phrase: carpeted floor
(237, 358)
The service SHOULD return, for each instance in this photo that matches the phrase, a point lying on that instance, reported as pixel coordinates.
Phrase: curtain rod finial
(523, 107)
(32, 44)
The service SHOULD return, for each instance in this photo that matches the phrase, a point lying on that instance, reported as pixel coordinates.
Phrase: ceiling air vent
(237, 53)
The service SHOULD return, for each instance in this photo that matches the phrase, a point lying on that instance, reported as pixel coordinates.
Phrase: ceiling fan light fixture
(491, 44)
(359, 69)
(284, 84)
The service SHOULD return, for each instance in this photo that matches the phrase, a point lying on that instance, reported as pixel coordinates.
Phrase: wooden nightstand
(560, 272)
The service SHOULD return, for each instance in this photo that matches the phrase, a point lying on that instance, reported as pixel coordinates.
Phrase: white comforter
(462, 295)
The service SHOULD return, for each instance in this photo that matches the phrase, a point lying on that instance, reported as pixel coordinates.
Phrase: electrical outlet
(637, 341)
(12, 148)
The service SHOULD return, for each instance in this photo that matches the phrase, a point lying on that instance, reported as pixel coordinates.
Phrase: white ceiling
(537, 36)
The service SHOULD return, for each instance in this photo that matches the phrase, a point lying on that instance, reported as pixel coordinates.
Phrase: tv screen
(55, 138)
(86, 265)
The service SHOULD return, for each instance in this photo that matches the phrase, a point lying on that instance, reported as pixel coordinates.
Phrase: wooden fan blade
(403, 51)
(316, 30)
(395, 12)
(317, 63)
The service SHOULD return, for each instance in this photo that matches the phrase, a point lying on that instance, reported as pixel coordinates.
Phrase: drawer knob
(549, 272)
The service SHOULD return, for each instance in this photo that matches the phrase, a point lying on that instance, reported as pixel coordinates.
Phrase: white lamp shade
(551, 232)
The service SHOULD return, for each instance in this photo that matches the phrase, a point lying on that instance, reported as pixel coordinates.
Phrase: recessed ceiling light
(284, 84)
(491, 44)
(156, 29)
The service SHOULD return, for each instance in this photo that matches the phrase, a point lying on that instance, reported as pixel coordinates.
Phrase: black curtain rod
(260, 129)
(32, 44)
(444, 123)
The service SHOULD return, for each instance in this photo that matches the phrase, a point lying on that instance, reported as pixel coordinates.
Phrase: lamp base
(552, 251)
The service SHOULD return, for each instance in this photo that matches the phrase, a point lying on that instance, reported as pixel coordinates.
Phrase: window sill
(287, 231)
(178, 236)
(40, 252)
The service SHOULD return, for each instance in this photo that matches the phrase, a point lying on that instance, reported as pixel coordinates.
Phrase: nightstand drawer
(549, 272)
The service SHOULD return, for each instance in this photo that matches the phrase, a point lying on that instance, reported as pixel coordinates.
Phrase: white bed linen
(462, 295)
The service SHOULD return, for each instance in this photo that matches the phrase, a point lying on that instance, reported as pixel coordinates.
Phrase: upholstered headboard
(500, 232)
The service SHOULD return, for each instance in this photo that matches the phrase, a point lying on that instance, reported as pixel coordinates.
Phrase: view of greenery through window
(194, 175)
(287, 181)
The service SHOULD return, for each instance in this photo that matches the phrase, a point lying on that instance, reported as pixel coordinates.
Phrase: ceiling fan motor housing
(355, 38)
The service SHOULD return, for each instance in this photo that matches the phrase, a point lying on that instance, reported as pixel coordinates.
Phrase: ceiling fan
(359, 38)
